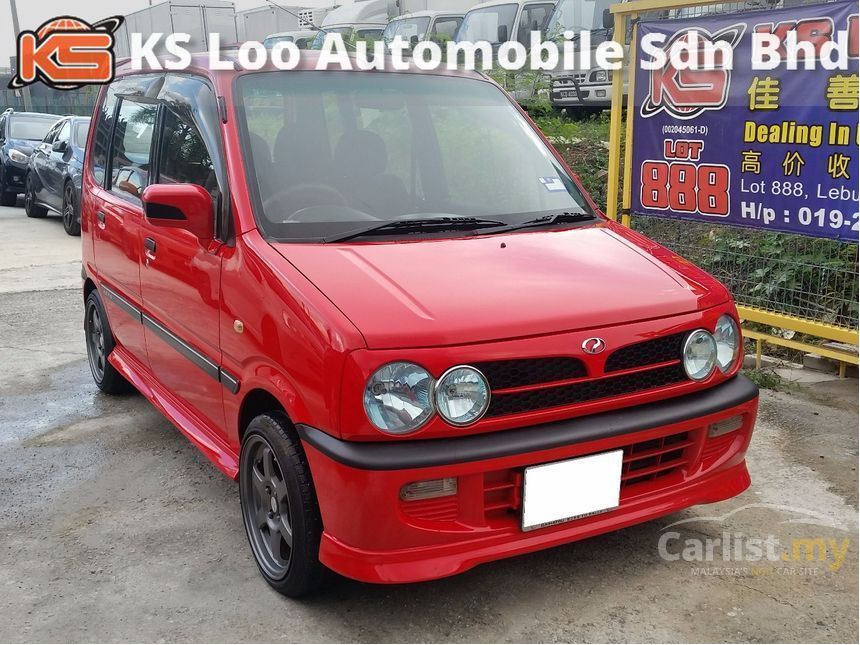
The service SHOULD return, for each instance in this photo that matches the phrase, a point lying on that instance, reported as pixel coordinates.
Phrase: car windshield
(319, 39)
(406, 29)
(32, 128)
(576, 15)
(331, 152)
(79, 137)
(270, 42)
(486, 24)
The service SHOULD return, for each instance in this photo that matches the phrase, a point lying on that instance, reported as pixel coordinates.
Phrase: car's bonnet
(442, 292)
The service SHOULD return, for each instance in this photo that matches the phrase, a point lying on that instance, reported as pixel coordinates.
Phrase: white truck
(581, 89)
(364, 20)
(198, 18)
(439, 26)
(270, 20)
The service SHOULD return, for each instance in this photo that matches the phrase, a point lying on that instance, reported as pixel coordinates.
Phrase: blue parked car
(53, 180)
(20, 133)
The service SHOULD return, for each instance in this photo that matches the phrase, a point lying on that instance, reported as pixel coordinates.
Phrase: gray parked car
(20, 132)
(53, 180)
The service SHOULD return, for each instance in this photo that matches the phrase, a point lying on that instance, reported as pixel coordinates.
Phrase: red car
(383, 303)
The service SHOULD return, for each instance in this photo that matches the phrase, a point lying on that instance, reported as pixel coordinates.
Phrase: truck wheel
(100, 344)
(30, 206)
(279, 506)
(71, 220)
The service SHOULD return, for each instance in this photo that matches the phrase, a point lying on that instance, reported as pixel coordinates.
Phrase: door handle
(100, 216)
(149, 251)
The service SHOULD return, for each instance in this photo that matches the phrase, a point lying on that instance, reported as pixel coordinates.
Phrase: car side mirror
(502, 34)
(608, 20)
(186, 206)
(413, 42)
(60, 146)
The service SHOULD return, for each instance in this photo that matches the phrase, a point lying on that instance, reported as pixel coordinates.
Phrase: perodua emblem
(593, 345)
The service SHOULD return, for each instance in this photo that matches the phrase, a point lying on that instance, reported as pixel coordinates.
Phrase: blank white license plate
(565, 490)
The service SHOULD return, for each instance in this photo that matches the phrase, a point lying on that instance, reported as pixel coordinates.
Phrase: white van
(501, 21)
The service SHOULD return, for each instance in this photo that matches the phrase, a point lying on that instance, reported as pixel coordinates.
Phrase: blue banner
(773, 149)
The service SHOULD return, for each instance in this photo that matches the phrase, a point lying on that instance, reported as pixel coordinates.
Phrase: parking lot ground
(114, 528)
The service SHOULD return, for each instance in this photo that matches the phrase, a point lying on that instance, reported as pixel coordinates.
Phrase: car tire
(30, 206)
(100, 343)
(71, 218)
(279, 506)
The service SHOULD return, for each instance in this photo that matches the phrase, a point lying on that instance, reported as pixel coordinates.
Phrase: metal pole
(28, 103)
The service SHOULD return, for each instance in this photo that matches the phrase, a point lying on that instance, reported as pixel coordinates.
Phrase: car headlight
(699, 355)
(18, 157)
(728, 339)
(462, 395)
(398, 397)
(599, 76)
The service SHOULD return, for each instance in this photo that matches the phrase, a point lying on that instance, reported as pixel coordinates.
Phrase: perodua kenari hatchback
(383, 303)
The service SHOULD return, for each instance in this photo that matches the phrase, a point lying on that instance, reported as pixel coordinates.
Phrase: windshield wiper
(432, 224)
(545, 220)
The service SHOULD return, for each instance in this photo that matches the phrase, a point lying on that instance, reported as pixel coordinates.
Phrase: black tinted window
(184, 158)
(132, 142)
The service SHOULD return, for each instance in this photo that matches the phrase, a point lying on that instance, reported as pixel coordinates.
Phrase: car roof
(292, 32)
(307, 62)
(55, 117)
(429, 13)
(498, 3)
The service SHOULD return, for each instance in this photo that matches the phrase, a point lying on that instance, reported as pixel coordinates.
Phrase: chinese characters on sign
(775, 149)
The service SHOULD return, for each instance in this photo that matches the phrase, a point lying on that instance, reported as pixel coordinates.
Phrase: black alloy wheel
(71, 223)
(279, 506)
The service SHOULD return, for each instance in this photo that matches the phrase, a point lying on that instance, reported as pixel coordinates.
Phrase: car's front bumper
(587, 96)
(13, 176)
(371, 534)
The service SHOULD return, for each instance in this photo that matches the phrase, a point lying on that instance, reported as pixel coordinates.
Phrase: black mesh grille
(588, 391)
(650, 352)
(530, 371)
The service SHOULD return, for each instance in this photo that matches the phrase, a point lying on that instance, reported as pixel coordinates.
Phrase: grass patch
(768, 379)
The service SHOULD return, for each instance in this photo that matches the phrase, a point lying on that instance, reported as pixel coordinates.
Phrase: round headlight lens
(462, 395)
(397, 398)
(700, 355)
(728, 339)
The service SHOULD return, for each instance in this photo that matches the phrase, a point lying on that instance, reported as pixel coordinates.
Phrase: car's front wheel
(30, 206)
(71, 220)
(279, 506)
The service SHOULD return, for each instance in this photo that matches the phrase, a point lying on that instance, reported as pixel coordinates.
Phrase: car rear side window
(132, 145)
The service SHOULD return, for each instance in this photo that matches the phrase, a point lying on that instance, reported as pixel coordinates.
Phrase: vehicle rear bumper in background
(671, 463)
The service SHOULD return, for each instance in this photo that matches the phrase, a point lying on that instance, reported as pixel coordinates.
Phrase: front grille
(581, 392)
(648, 460)
(644, 461)
(530, 371)
(649, 352)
